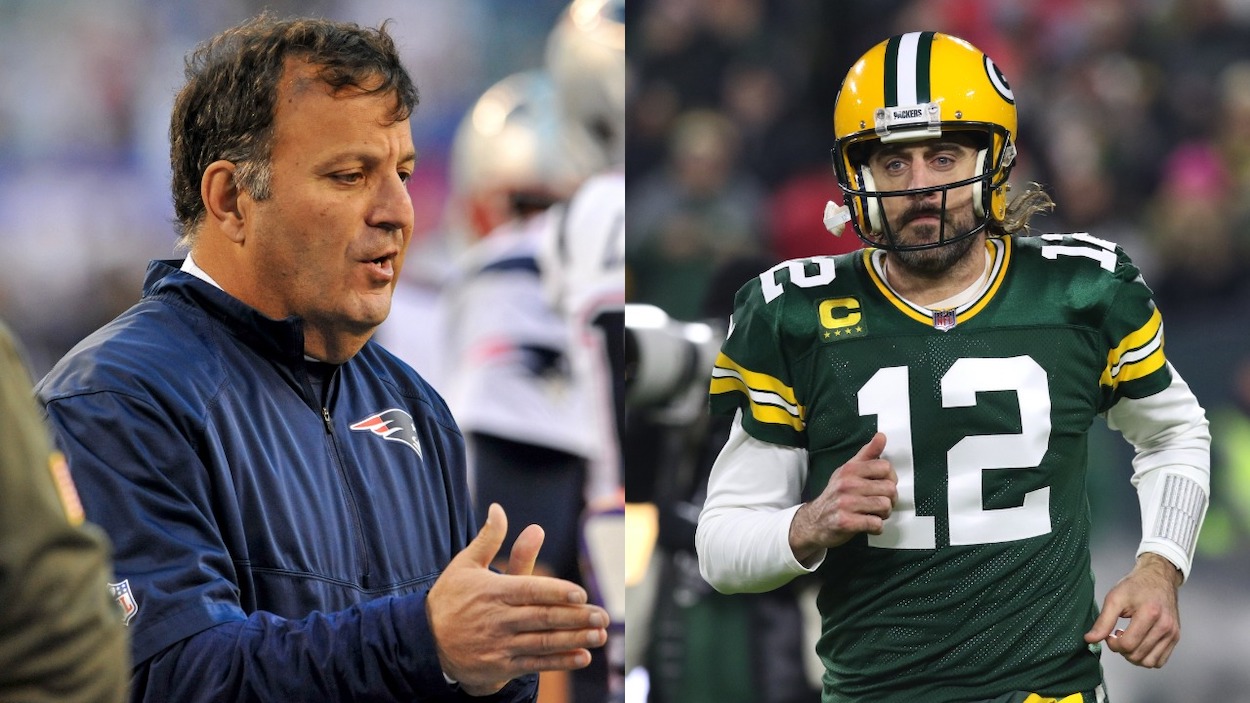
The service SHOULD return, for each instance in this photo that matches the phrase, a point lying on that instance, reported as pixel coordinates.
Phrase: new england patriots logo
(393, 425)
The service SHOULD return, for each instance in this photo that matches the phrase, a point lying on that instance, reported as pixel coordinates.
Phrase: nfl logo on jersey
(944, 320)
(122, 594)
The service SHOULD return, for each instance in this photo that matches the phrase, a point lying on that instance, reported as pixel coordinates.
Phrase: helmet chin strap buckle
(836, 217)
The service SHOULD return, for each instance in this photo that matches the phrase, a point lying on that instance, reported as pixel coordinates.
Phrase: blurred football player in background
(911, 421)
(583, 268)
(589, 287)
(586, 57)
(507, 376)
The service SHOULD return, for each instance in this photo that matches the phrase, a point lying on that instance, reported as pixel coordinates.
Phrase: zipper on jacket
(353, 505)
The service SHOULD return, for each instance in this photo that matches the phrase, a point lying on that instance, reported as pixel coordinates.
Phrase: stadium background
(1135, 115)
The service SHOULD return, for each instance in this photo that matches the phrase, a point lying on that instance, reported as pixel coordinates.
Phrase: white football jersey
(583, 266)
(508, 372)
(584, 254)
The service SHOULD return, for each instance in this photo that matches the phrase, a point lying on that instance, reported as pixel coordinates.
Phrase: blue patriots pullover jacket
(268, 545)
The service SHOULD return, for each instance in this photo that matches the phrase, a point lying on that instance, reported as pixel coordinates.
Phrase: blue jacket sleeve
(381, 650)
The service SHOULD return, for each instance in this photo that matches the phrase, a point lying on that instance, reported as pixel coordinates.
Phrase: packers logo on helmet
(915, 86)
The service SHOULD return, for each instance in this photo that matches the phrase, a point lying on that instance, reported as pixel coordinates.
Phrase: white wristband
(1173, 505)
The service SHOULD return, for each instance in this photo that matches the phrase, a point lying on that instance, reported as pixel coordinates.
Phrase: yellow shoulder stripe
(1139, 354)
(770, 401)
(1074, 698)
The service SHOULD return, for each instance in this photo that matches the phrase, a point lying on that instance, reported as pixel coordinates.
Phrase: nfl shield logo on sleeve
(125, 598)
(944, 320)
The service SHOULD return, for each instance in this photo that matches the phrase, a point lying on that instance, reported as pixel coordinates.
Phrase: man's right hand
(858, 498)
(490, 628)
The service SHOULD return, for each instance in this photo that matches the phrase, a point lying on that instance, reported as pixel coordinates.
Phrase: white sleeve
(1171, 469)
(743, 538)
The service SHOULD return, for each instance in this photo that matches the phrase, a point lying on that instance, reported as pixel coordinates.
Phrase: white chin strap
(876, 220)
(977, 188)
(983, 157)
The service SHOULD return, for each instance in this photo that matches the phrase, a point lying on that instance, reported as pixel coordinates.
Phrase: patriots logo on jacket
(394, 425)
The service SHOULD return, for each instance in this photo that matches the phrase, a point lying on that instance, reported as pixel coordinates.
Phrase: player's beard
(935, 260)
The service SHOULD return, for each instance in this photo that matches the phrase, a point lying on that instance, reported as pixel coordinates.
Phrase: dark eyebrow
(366, 158)
(888, 151)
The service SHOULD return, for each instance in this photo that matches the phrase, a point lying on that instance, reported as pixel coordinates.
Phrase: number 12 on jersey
(886, 396)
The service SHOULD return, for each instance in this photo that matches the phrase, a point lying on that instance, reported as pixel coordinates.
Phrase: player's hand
(858, 498)
(490, 628)
(1147, 596)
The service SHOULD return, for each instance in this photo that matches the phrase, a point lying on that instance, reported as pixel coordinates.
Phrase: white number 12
(886, 396)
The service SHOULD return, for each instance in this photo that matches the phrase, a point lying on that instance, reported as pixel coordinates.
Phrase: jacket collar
(281, 339)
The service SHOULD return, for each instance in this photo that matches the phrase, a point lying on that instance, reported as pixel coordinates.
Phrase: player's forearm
(802, 539)
(1171, 469)
(743, 538)
(1173, 504)
(1162, 567)
(747, 551)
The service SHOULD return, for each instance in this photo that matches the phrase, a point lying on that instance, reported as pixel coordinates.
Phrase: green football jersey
(981, 582)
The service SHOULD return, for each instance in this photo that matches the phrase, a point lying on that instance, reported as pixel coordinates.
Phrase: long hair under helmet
(911, 87)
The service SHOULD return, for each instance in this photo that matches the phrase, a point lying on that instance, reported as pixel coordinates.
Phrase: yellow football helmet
(918, 86)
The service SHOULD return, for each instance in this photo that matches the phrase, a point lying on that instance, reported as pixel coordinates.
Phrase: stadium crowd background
(1134, 114)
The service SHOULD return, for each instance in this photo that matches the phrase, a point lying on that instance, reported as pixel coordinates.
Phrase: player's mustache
(921, 211)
